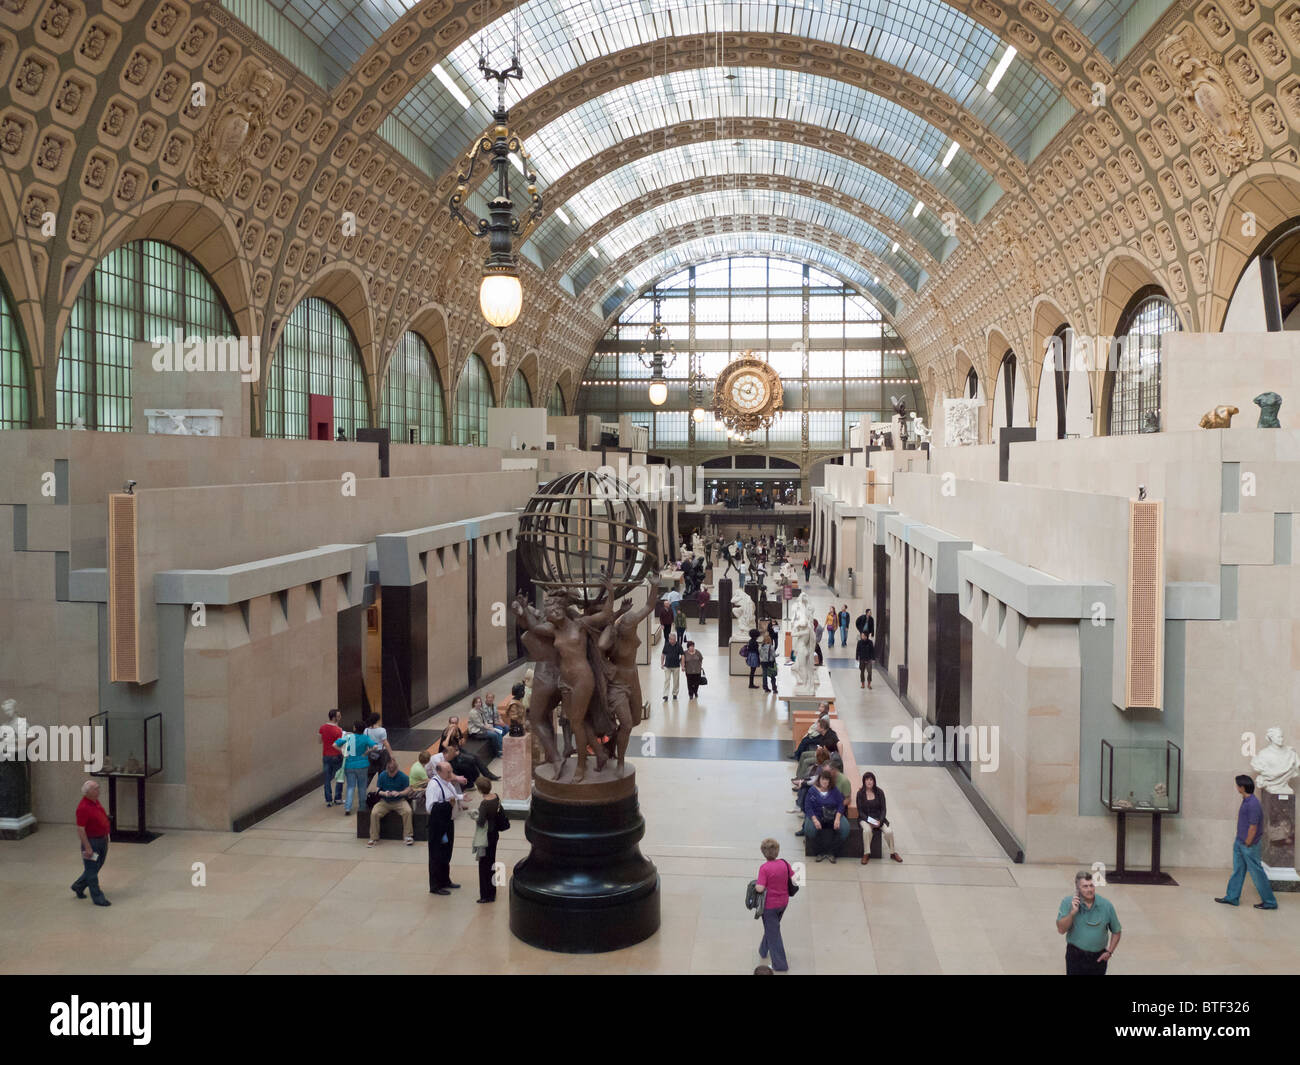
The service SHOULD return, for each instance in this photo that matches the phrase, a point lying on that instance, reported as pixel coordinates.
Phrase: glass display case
(132, 746)
(1138, 777)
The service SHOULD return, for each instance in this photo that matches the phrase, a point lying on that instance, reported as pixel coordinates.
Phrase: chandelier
(500, 294)
(747, 397)
(655, 361)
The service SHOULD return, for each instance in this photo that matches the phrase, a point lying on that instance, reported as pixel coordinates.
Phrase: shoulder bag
(793, 888)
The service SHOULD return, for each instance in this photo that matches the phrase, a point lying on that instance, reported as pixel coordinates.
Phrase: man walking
(670, 661)
(92, 828)
(1084, 919)
(1246, 848)
(844, 625)
(692, 666)
(331, 758)
(807, 566)
(440, 799)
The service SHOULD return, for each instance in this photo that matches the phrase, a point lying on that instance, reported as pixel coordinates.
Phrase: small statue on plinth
(742, 610)
(803, 643)
(1276, 765)
(1269, 403)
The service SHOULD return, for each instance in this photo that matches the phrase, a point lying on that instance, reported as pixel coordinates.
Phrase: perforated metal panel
(1144, 680)
(123, 593)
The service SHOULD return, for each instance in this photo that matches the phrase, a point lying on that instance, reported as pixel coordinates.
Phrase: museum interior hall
(479, 445)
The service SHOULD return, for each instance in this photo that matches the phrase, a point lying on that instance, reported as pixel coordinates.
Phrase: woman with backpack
(752, 657)
(355, 763)
(775, 886)
(381, 751)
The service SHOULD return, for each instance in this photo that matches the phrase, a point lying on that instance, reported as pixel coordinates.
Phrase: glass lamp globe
(658, 392)
(500, 298)
(698, 414)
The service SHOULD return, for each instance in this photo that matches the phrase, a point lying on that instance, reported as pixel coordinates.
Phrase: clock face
(748, 394)
(749, 391)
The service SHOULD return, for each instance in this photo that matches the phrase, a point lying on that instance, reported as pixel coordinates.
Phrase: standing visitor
(752, 657)
(865, 653)
(1246, 849)
(331, 760)
(807, 566)
(670, 661)
(1084, 919)
(845, 618)
(767, 660)
(92, 830)
(773, 883)
(356, 761)
(693, 667)
(832, 623)
(440, 799)
(381, 751)
(486, 833)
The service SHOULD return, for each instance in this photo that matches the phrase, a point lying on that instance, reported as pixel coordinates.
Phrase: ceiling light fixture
(894, 249)
(916, 211)
(1001, 68)
(654, 361)
(559, 213)
(952, 153)
(500, 294)
(451, 86)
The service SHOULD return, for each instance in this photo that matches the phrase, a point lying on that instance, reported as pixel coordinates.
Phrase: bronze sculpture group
(585, 659)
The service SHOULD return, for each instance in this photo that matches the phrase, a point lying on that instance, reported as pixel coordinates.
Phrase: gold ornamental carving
(1220, 112)
(226, 142)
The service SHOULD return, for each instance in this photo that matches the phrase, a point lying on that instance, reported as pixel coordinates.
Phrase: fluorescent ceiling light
(595, 252)
(894, 249)
(517, 164)
(559, 213)
(952, 151)
(450, 85)
(916, 211)
(1001, 68)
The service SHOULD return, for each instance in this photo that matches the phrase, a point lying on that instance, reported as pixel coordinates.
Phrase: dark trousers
(331, 765)
(1083, 962)
(486, 889)
(864, 670)
(440, 824)
(692, 684)
(89, 877)
(772, 939)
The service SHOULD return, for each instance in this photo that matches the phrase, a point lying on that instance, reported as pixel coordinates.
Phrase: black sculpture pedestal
(16, 820)
(585, 888)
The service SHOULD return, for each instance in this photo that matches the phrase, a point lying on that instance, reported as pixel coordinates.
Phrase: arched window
(15, 412)
(1007, 386)
(1061, 372)
(972, 384)
(140, 291)
(316, 355)
(412, 408)
(555, 405)
(519, 394)
(1134, 379)
(473, 401)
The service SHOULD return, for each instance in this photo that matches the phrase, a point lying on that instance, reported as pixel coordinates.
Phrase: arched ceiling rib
(631, 268)
(758, 203)
(750, 164)
(774, 183)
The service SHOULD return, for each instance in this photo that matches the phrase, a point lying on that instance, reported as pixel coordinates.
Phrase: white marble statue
(1276, 765)
(697, 545)
(961, 427)
(803, 640)
(920, 430)
(742, 610)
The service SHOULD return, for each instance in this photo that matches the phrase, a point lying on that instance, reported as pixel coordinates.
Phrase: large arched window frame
(519, 394)
(138, 292)
(1061, 352)
(1133, 381)
(316, 355)
(972, 384)
(473, 401)
(412, 409)
(15, 398)
(1007, 380)
(555, 405)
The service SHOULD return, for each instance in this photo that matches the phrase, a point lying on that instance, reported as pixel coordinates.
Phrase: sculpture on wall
(1219, 418)
(922, 431)
(1275, 765)
(961, 422)
(225, 143)
(1151, 421)
(1268, 403)
(803, 643)
(1218, 109)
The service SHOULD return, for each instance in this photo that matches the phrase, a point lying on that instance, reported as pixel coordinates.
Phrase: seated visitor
(825, 825)
(824, 737)
(870, 802)
(836, 766)
(485, 723)
(466, 765)
(454, 731)
(394, 790)
(419, 772)
(811, 768)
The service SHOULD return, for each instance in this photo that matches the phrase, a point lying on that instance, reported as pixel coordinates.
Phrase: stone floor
(299, 893)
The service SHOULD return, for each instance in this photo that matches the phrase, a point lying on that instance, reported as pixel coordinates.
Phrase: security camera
(1142, 492)
(128, 486)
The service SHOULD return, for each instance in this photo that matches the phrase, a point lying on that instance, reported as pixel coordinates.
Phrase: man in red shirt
(92, 827)
(331, 758)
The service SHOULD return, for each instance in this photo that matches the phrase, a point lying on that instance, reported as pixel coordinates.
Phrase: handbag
(501, 823)
(751, 660)
(340, 777)
(792, 888)
(769, 670)
(702, 681)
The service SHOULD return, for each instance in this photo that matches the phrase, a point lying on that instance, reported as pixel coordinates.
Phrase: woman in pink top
(774, 883)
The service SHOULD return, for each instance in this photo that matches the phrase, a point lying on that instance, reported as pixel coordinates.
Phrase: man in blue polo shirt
(1246, 848)
(1084, 919)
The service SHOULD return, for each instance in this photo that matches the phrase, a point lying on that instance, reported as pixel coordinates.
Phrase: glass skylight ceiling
(723, 245)
(630, 110)
(734, 202)
(606, 194)
(1100, 21)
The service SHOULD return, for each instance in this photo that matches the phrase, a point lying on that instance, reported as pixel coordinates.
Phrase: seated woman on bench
(826, 824)
(870, 802)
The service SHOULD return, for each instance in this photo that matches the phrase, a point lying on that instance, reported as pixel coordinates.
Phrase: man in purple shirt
(1246, 848)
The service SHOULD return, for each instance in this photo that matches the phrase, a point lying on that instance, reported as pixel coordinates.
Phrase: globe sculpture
(585, 886)
(580, 529)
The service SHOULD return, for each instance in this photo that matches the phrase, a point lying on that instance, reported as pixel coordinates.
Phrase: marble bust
(1275, 765)
(743, 612)
(11, 718)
